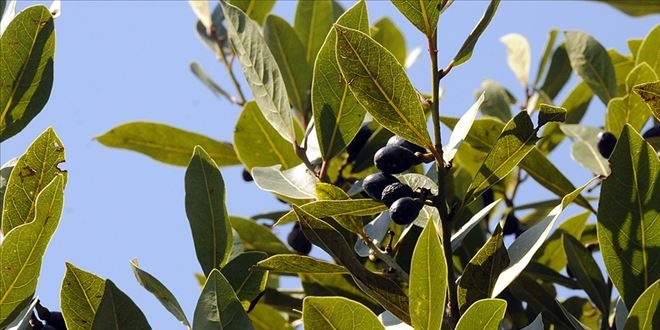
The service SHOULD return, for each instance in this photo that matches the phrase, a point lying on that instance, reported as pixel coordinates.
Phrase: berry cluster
(606, 140)
(298, 241)
(397, 156)
(52, 320)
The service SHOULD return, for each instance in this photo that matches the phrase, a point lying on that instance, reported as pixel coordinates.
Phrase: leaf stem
(228, 66)
(386, 258)
(451, 309)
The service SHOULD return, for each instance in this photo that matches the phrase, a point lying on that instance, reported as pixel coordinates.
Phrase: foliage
(318, 85)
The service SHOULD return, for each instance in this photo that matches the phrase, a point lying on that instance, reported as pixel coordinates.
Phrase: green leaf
(322, 209)
(27, 47)
(343, 285)
(218, 307)
(117, 311)
(586, 272)
(80, 297)
(289, 54)
(160, 291)
(165, 143)
(514, 143)
(461, 130)
(559, 72)
(387, 95)
(583, 314)
(390, 37)
(644, 313)
(630, 109)
(635, 8)
(497, 100)
(201, 74)
(36, 168)
(540, 299)
(591, 62)
(522, 250)
(428, 280)
(549, 45)
(549, 113)
(202, 11)
(257, 143)
(584, 149)
(480, 275)
(518, 56)
(256, 9)
(296, 182)
(312, 22)
(465, 52)
(551, 253)
(256, 237)
(338, 313)
(23, 248)
(486, 314)
(650, 92)
(381, 288)
(576, 104)
(627, 216)
(337, 113)
(264, 317)
(648, 50)
(293, 264)
(206, 211)
(459, 235)
(260, 69)
(248, 281)
(422, 14)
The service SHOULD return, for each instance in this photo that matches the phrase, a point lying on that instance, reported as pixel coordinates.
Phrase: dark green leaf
(497, 100)
(648, 50)
(591, 62)
(485, 314)
(201, 74)
(257, 237)
(387, 95)
(518, 56)
(388, 35)
(264, 317)
(160, 291)
(558, 73)
(260, 69)
(27, 48)
(165, 143)
(312, 22)
(289, 54)
(382, 289)
(465, 52)
(645, 312)
(422, 14)
(218, 307)
(481, 273)
(337, 113)
(36, 168)
(23, 248)
(338, 313)
(635, 8)
(549, 45)
(343, 285)
(540, 300)
(551, 253)
(80, 297)
(549, 113)
(650, 92)
(256, 9)
(247, 281)
(582, 311)
(257, 143)
(322, 209)
(428, 280)
(206, 211)
(117, 311)
(586, 272)
(293, 264)
(627, 216)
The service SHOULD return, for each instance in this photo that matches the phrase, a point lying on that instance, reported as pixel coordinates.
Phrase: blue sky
(120, 61)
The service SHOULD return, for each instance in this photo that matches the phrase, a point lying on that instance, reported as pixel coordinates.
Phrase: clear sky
(120, 61)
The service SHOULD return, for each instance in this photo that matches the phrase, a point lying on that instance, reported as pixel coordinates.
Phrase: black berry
(652, 132)
(399, 141)
(374, 184)
(606, 142)
(56, 320)
(298, 241)
(394, 191)
(511, 225)
(247, 177)
(405, 210)
(358, 142)
(394, 159)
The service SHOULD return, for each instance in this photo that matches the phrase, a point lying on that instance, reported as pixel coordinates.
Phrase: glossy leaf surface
(321, 209)
(218, 307)
(294, 263)
(591, 62)
(312, 22)
(486, 314)
(247, 281)
(256, 9)
(338, 313)
(117, 311)
(296, 182)
(645, 312)
(257, 237)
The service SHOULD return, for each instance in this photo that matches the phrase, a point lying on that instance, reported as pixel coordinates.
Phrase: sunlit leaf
(497, 100)
(559, 72)
(388, 35)
(206, 211)
(294, 263)
(422, 14)
(202, 11)
(27, 48)
(264, 317)
(627, 216)
(486, 314)
(245, 278)
(585, 150)
(648, 50)
(218, 307)
(459, 235)
(635, 8)
(321, 209)
(256, 9)
(576, 104)
(650, 92)
(257, 237)
(296, 182)
(36, 168)
(644, 313)
(80, 297)
(343, 285)
(547, 52)
(591, 62)
(387, 95)
(312, 22)
(465, 52)
(461, 130)
(338, 313)
(117, 311)
(630, 109)
(518, 56)
(160, 291)
(260, 69)
(551, 253)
